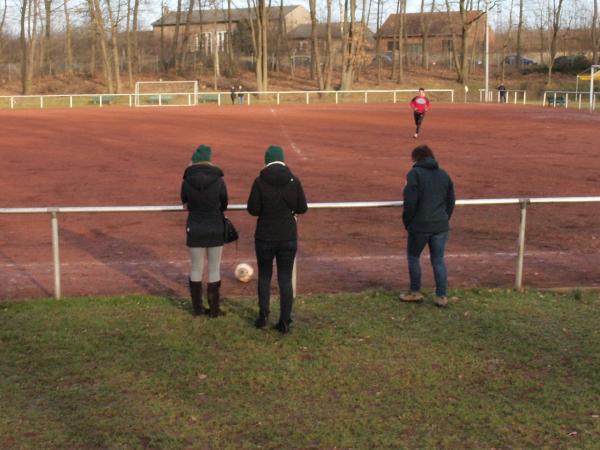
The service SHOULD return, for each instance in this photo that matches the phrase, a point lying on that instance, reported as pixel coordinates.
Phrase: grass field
(497, 369)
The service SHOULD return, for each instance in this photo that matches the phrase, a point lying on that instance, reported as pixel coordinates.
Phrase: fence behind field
(522, 202)
(218, 98)
(512, 96)
(574, 99)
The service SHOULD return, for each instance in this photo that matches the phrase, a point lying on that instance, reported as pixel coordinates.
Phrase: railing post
(55, 252)
(521, 250)
(394, 97)
(278, 98)
(544, 100)
(100, 103)
(366, 97)
(307, 97)
(579, 101)
(12, 103)
(524, 97)
(555, 99)
(248, 95)
(566, 100)
(70, 101)
(41, 102)
(452, 96)
(336, 97)
(130, 100)
(159, 100)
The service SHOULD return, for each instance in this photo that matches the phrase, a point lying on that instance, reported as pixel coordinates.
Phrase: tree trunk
(556, 10)
(506, 41)
(47, 56)
(180, 62)
(315, 53)
(519, 34)
(349, 50)
(401, 39)
(134, 25)
(595, 35)
(68, 43)
(378, 42)
(129, 45)
(330, 51)
(115, 46)
(231, 61)
(396, 40)
(100, 32)
(261, 45)
(176, 44)
(28, 41)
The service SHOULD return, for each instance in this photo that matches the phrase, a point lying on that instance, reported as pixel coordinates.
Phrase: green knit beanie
(202, 153)
(273, 153)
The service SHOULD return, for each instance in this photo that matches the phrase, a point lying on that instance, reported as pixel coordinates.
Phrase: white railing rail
(518, 96)
(522, 202)
(569, 98)
(192, 99)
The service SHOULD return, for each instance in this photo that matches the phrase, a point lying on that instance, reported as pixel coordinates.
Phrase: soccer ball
(243, 272)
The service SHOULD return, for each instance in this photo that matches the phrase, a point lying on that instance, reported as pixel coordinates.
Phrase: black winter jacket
(428, 198)
(276, 197)
(204, 191)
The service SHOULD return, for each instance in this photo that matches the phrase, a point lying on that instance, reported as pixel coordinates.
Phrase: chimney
(165, 10)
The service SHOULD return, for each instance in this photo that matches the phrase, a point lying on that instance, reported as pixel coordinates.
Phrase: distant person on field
(241, 94)
(233, 94)
(276, 197)
(204, 195)
(428, 205)
(502, 90)
(420, 105)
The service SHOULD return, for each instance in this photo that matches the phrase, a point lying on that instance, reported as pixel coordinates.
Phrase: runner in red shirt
(420, 105)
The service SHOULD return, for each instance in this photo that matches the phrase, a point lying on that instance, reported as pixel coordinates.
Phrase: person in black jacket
(276, 197)
(204, 194)
(428, 205)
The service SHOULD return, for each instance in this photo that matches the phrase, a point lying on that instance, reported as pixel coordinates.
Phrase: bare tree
(425, 28)
(519, 34)
(2, 22)
(466, 21)
(68, 41)
(378, 41)
(315, 53)
(180, 59)
(28, 40)
(595, 35)
(100, 31)
(114, 23)
(129, 46)
(330, 55)
(555, 18)
(231, 62)
(506, 41)
(396, 40)
(259, 25)
(176, 44)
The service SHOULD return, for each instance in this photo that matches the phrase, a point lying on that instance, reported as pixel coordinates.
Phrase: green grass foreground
(497, 369)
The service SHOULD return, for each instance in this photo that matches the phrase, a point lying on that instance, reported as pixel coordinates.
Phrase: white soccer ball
(243, 272)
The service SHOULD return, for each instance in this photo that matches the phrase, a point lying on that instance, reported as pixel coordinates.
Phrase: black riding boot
(213, 295)
(196, 293)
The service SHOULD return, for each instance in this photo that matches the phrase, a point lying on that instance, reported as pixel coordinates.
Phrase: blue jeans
(437, 244)
(284, 252)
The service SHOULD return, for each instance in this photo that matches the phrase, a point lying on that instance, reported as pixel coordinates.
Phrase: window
(207, 43)
(221, 35)
(194, 43)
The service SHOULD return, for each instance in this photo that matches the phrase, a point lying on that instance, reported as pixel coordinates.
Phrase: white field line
(324, 259)
(286, 135)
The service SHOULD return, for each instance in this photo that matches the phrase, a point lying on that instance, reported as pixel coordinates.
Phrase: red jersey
(420, 104)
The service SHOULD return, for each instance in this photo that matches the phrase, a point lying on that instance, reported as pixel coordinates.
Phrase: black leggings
(419, 119)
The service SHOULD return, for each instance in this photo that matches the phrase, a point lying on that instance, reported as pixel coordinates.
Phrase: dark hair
(422, 89)
(421, 152)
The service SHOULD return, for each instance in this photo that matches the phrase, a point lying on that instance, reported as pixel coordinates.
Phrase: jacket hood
(427, 163)
(201, 176)
(276, 175)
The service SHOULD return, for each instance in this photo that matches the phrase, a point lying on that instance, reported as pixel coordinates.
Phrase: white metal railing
(522, 202)
(219, 98)
(519, 96)
(566, 98)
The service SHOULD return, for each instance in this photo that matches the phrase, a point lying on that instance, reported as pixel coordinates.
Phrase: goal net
(166, 93)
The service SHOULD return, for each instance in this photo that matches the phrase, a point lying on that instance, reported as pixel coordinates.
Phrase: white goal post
(166, 93)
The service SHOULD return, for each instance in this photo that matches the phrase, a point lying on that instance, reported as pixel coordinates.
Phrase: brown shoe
(412, 297)
(441, 302)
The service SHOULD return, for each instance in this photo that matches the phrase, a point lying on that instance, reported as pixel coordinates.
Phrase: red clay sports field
(119, 156)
